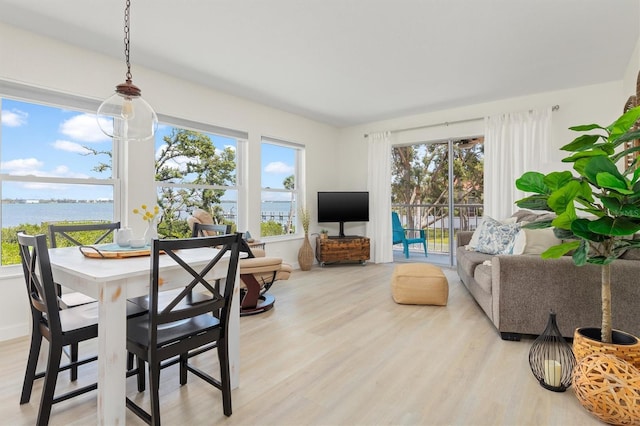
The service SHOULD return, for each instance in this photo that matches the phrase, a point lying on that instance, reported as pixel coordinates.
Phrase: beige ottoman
(419, 284)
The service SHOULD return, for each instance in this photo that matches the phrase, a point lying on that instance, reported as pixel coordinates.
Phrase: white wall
(37, 61)
(601, 104)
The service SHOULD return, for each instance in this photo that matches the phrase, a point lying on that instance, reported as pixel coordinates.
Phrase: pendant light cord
(126, 39)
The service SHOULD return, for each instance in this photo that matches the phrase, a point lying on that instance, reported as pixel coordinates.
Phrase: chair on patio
(400, 235)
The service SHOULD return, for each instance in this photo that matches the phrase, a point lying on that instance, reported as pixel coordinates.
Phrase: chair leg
(424, 244)
(50, 379)
(32, 364)
(406, 250)
(154, 393)
(184, 358)
(74, 358)
(225, 376)
(141, 376)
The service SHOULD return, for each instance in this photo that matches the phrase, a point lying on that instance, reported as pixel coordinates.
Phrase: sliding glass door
(438, 187)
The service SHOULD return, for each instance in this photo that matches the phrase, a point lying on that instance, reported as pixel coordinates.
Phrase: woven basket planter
(586, 341)
(609, 388)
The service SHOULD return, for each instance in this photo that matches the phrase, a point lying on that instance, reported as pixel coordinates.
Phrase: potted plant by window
(607, 192)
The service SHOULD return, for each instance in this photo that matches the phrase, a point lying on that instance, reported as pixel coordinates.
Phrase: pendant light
(125, 115)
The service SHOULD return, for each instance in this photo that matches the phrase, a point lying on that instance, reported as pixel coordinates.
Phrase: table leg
(112, 334)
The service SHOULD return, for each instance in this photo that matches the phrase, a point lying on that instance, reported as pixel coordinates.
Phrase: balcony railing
(434, 218)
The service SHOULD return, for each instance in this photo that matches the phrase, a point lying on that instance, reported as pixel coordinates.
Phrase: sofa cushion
(497, 238)
(473, 244)
(534, 241)
(470, 260)
(482, 275)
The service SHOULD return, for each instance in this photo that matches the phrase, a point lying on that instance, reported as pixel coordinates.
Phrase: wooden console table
(342, 249)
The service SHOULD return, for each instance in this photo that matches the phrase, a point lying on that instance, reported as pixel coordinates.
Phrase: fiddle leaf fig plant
(604, 189)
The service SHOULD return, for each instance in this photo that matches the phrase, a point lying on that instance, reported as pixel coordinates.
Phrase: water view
(14, 214)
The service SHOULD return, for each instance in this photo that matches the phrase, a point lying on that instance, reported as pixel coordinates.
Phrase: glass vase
(151, 232)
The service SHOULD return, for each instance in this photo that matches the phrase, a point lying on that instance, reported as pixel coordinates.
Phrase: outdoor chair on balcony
(400, 235)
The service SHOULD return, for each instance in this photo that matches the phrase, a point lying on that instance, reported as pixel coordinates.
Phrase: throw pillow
(473, 243)
(497, 238)
(534, 241)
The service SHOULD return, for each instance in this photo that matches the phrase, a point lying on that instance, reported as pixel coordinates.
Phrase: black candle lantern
(551, 358)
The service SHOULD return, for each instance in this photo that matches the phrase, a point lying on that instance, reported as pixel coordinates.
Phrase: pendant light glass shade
(125, 115)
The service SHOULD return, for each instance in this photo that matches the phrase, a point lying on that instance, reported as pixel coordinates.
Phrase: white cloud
(21, 166)
(33, 166)
(179, 163)
(14, 118)
(83, 127)
(70, 147)
(278, 167)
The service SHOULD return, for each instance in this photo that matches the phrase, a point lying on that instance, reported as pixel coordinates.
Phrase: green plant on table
(608, 196)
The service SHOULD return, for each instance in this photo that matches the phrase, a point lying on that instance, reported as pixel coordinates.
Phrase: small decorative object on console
(551, 358)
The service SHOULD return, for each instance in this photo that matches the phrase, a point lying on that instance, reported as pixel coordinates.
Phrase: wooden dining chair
(60, 327)
(174, 333)
(66, 235)
(209, 229)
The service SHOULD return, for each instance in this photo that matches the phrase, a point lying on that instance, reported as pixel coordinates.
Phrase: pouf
(419, 284)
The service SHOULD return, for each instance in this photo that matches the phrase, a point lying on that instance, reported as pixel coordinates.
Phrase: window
(56, 164)
(282, 187)
(196, 167)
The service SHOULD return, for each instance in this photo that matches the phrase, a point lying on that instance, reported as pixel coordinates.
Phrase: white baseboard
(14, 331)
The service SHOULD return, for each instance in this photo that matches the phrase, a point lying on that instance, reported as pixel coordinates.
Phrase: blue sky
(49, 141)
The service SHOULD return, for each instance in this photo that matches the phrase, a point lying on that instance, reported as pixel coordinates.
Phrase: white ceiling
(347, 62)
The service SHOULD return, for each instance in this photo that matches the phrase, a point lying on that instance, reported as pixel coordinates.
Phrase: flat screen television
(343, 206)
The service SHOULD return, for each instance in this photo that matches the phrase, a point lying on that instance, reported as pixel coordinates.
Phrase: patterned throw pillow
(497, 238)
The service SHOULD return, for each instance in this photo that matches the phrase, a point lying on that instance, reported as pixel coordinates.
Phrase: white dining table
(111, 282)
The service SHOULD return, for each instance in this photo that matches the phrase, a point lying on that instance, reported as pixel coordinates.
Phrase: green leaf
(628, 136)
(597, 165)
(623, 124)
(581, 254)
(631, 210)
(614, 226)
(534, 202)
(565, 219)
(581, 143)
(580, 165)
(564, 196)
(538, 224)
(532, 182)
(609, 181)
(624, 153)
(559, 250)
(586, 127)
(563, 234)
(580, 227)
(612, 203)
(555, 180)
(583, 154)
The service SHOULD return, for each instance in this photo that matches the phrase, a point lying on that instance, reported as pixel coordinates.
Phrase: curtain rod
(447, 123)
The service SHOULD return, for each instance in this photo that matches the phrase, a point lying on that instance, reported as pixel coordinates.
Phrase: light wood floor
(336, 350)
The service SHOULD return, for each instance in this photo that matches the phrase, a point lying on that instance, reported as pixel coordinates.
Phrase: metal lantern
(551, 358)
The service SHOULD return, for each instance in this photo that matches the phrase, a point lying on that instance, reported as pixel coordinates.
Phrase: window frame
(299, 191)
(240, 138)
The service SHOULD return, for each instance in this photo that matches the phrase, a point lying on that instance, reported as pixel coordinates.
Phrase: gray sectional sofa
(517, 292)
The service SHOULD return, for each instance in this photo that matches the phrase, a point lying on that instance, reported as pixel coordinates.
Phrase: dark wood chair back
(41, 288)
(68, 234)
(209, 229)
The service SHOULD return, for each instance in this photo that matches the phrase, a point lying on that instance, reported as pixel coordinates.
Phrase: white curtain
(514, 143)
(379, 186)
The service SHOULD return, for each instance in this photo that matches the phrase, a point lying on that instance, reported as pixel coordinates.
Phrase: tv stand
(342, 249)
